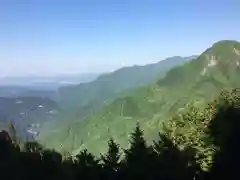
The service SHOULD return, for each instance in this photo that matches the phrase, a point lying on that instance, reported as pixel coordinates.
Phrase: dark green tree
(10, 162)
(224, 129)
(137, 157)
(138, 145)
(32, 146)
(111, 159)
(12, 132)
(87, 166)
(171, 162)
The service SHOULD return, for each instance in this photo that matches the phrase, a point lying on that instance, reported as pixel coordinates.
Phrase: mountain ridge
(156, 103)
(109, 84)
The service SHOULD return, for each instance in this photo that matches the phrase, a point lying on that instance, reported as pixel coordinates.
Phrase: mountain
(12, 90)
(53, 95)
(39, 82)
(109, 85)
(40, 86)
(196, 81)
(26, 113)
(25, 91)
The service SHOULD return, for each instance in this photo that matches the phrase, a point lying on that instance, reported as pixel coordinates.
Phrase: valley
(27, 114)
(153, 104)
(119, 90)
(67, 104)
(86, 115)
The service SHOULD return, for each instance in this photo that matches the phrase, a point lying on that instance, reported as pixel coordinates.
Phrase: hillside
(15, 91)
(91, 95)
(12, 90)
(195, 82)
(26, 112)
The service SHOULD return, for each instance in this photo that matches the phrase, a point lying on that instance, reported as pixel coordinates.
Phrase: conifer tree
(137, 156)
(138, 145)
(111, 159)
(87, 165)
(12, 132)
(32, 146)
(172, 162)
(85, 158)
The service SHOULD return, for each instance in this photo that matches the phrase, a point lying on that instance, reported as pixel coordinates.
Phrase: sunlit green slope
(196, 81)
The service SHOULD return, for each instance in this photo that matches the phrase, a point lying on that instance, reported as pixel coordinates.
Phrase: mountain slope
(25, 112)
(107, 86)
(195, 82)
(84, 99)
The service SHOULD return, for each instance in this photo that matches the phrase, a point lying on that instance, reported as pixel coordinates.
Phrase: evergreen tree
(137, 157)
(138, 145)
(32, 146)
(85, 158)
(12, 132)
(112, 158)
(224, 129)
(172, 162)
(87, 166)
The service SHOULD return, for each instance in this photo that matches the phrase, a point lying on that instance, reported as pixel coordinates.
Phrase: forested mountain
(12, 90)
(199, 144)
(107, 86)
(26, 112)
(84, 99)
(194, 82)
(192, 115)
(89, 94)
(40, 86)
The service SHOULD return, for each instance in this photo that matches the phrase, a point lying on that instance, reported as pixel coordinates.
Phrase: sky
(87, 36)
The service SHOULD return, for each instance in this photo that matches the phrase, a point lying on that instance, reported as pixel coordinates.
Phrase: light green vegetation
(107, 86)
(195, 82)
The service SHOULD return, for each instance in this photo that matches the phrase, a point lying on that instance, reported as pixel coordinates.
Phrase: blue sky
(79, 36)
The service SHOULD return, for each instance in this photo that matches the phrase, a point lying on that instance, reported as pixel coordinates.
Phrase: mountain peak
(224, 55)
(225, 43)
(225, 47)
(221, 59)
(224, 50)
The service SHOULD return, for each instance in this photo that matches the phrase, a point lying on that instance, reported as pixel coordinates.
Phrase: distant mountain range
(79, 95)
(108, 86)
(194, 82)
(26, 91)
(40, 86)
(85, 99)
(46, 82)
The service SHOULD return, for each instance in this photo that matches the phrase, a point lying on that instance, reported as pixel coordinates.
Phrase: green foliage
(191, 129)
(109, 85)
(188, 130)
(32, 147)
(138, 146)
(182, 152)
(12, 132)
(86, 159)
(112, 158)
(182, 88)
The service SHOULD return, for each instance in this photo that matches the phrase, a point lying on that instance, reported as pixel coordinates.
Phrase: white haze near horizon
(77, 37)
(53, 69)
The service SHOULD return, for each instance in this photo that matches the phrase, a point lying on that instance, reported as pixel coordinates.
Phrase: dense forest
(193, 83)
(201, 144)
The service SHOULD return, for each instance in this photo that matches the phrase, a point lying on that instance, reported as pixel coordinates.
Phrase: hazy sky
(52, 36)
